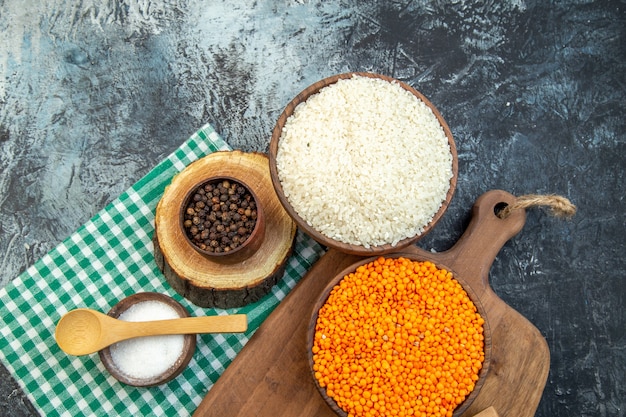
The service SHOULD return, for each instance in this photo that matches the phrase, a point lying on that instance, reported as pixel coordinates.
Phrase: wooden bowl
(315, 234)
(189, 344)
(244, 250)
(461, 408)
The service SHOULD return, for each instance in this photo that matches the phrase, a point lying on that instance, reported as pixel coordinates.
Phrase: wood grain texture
(207, 282)
(488, 412)
(271, 375)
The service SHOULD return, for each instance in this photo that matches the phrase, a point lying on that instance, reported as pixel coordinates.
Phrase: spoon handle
(234, 323)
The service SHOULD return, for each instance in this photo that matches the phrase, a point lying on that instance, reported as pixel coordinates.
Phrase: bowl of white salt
(151, 360)
(363, 163)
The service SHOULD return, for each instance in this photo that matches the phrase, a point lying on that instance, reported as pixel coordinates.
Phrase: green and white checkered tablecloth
(109, 258)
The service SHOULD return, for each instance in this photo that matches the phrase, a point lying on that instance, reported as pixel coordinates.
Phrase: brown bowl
(461, 408)
(315, 234)
(245, 249)
(189, 343)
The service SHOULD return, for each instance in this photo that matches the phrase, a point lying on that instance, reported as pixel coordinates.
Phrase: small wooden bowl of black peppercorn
(222, 220)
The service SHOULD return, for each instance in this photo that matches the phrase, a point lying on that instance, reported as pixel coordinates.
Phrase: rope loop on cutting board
(559, 206)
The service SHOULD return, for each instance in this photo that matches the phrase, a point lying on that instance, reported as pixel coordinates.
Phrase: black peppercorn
(220, 216)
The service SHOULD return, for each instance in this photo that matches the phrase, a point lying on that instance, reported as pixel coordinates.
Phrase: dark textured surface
(93, 94)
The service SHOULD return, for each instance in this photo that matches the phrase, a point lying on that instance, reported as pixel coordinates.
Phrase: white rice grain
(364, 162)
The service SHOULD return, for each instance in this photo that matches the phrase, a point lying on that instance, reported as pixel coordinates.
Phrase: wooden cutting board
(271, 377)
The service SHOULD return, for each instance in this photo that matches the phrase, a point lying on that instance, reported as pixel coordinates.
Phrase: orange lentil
(398, 337)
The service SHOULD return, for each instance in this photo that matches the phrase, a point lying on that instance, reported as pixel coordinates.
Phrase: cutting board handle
(486, 234)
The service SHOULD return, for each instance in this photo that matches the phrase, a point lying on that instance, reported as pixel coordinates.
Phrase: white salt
(150, 356)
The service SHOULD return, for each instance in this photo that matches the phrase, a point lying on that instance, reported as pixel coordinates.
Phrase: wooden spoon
(84, 331)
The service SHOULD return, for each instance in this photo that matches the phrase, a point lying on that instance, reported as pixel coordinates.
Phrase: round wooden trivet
(207, 283)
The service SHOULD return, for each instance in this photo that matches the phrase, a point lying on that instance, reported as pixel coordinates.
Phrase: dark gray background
(94, 93)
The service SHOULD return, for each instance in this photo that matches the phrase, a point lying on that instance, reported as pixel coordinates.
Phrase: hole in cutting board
(499, 207)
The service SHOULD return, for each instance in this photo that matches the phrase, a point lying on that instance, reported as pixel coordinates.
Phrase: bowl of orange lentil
(398, 336)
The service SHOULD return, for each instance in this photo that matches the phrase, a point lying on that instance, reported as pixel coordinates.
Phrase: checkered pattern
(107, 259)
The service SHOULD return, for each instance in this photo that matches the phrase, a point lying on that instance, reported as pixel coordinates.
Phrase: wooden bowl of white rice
(363, 163)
